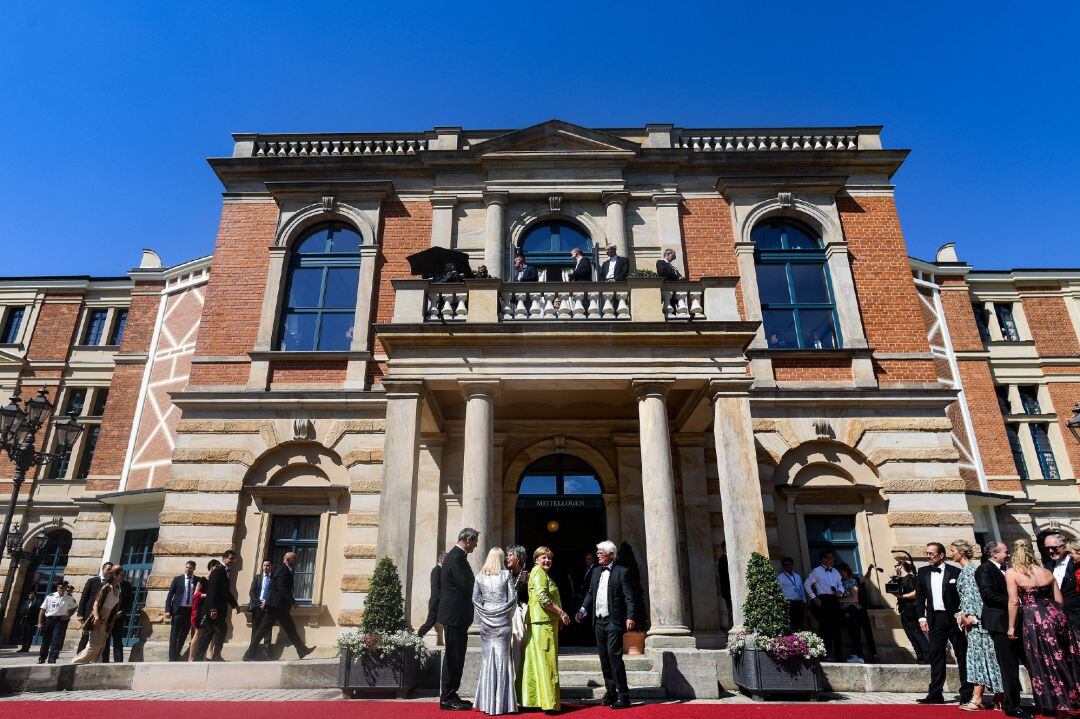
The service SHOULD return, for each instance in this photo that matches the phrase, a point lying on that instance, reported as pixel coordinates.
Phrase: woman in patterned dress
(983, 670)
(540, 673)
(1050, 645)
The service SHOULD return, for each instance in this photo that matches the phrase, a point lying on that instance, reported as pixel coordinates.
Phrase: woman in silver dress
(495, 599)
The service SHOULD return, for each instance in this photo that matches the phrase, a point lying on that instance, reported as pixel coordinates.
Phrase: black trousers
(456, 640)
(29, 629)
(1007, 651)
(213, 632)
(797, 608)
(609, 636)
(830, 621)
(52, 639)
(178, 632)
(275, 615)
(915, 635)
(851, 626)
(944, 631)
(432, 612)
(119, 627)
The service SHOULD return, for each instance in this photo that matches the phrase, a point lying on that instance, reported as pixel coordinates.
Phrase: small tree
(627, 559)
(384, 609)
(766, 610)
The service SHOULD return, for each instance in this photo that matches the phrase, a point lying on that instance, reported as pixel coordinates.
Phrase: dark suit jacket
(582, 271)
(995, 596)
(725, 579)
(528, 274)
(666, 270)
(924, 599)
(176, 593)
(620, 597)
(622, 269)
(282, 582)
(435, 582)
(89, 595)
(219, 594)
(455, 592)
(1069, 595)
(256, 589)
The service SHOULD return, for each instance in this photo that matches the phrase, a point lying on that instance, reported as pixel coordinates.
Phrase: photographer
(909, 615)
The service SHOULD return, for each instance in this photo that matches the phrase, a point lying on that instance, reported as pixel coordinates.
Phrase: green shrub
(643, 273)
(766, 611)
(384, 609)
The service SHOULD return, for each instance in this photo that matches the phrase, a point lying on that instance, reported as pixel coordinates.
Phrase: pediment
(555, 138)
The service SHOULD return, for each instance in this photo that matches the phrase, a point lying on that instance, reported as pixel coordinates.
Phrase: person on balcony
(582, 270)
(524, 273)
(615, 268)
(450, 274)
(666, 267)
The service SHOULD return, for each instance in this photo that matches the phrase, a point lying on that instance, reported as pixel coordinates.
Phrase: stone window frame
(299, 210)
(823, 218)
(572, 213)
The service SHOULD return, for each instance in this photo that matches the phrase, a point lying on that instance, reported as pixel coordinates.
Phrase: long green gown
(540, 673)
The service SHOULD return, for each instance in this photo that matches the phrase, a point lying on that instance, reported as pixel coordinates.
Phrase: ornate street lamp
(1074, 423)
(18, 430)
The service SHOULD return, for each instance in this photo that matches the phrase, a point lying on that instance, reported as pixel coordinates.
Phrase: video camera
(895, 584)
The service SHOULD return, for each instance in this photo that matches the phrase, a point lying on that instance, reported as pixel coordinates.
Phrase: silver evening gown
(495, 599)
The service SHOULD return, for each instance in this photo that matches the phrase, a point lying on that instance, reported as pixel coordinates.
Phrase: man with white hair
(615, 268)
(611, 602)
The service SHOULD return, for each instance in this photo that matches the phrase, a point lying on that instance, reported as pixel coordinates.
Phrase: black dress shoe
(455, 706)
(930, 700)
(1019, 713)
(609, 699)
(623, 702)
(304, 651)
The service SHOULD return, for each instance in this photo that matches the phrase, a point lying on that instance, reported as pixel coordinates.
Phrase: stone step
(572, 694)
(580, 663)
(596, 679)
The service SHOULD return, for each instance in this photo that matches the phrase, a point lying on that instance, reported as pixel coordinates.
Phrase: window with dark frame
(982, 321)
(75, 401)
(1017, 451)
(546, 247)
(12, 324)
(1007, 321)
(90, 438)
(1004, 404)
(1029, 399)
(119, 322)
(101, 397)
(1040, 437)
(95, 327)
(298, 534)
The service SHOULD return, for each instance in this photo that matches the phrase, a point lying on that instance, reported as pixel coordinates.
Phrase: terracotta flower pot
(633, 643)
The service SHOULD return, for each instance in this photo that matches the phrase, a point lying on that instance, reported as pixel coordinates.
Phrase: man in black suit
(178, 609)
(610, 601)
(28, 620)
(86, 607)
(666, 267)
(456, 614)
(1063, 567)
(258, 593)
(524, 273)
(122, 614)
(433, 597)
(937, 602)
(279, 602)
(582, 269)
(990, 579)
(615, 268)
(215, 606)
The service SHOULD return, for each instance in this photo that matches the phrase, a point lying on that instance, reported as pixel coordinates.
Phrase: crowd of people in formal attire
(615, 268)
(520, 613)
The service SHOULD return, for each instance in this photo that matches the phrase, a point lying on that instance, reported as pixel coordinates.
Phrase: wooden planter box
(761, 676)
(364, 675)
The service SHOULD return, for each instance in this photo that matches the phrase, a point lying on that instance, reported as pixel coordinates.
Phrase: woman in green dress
(540, 673)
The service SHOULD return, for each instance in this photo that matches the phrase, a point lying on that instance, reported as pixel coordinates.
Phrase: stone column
(401, 451)
(494, 239)
(477, 508)
(668, 612)
(740, 487)
(699, 541)
(616, 221)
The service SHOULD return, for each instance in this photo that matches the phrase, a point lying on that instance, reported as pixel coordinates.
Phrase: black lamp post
(18, 430)
(1074, 423)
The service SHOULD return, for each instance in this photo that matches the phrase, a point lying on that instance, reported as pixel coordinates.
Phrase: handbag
(517, 623)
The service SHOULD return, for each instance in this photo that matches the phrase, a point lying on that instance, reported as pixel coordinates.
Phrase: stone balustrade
(768, 143)
(683, 302)
(447, 304)
(330, 146)
(567, 303)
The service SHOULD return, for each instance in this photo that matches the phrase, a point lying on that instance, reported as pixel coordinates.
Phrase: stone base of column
(711, 640)
(670, 641)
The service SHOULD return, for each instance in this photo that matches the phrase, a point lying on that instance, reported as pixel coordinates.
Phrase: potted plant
(767, 657)
(634, 642)
(381, 655)
(643, 273)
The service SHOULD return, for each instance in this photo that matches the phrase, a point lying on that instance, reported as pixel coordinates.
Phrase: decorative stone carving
(555, 201)
(786, 199)
(328, 203)
(303, 429)
(823, 430)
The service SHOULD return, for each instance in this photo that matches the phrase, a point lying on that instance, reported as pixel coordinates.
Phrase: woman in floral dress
(1050, 645)
(982, 664)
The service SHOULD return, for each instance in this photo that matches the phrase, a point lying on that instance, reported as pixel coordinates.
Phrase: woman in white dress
(495, 599)
(102, 617)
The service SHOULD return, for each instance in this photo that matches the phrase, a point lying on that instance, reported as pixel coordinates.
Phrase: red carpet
(360, 709)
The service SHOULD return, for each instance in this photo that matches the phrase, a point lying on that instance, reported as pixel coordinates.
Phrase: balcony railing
(495, 301)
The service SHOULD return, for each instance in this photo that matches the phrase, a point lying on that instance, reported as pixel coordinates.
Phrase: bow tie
(935, 570)
(605, 569)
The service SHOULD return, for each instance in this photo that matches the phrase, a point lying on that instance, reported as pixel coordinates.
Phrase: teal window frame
(1040, 437)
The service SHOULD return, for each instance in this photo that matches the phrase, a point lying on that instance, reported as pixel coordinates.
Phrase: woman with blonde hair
(540, 674)
(495, 599)
(983, 670)
(1049, 645)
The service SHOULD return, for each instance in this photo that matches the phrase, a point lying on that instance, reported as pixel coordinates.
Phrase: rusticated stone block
(221, 426)
(204, 485)
(362, 456)
(365, 486)
(205, 518)
(353, 426)
(103, 517)
(363, 519)
(92, 532)
(214, 456)
(190, 549)
(355, 583)
(350, 618)
(856, 428)
(359, 551)
(930, 519)
(914, 454)
(909, 485)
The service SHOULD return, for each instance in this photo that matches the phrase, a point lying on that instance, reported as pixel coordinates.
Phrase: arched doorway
(42, 577)
(546, 246)
(560, 505)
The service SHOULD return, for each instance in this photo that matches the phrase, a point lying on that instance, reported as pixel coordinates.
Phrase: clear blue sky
(109, 109)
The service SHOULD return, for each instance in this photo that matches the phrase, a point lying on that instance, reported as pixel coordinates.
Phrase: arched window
(559, 474)
(321, 288)
(797, 306)
(546, 246)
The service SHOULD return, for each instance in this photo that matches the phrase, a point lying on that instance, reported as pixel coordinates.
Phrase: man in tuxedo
(615, 268)
(582, 269)
(524, 273)
(610, 601)
(219, 597)
(280, 600)
(258, 594)
(666, 267)
(1063, 567)
(178, 609)
(824, 587)
(86, 607)
(937, 602)
(456, 615)
(990, 579)
(435, 582)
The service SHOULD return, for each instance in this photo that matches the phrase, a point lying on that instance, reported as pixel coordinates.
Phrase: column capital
(278, 251)
(478, 387)
(403, 388)
(734, 387)
(615, 197)
(667, 199)
(652, 387)
(493, 197)
(442, 201)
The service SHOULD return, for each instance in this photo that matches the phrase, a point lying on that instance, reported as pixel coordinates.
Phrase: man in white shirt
(615, 268)
(824, 587)
(53, 618)
(611, 602)
(791, 584)
(1064, 570)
